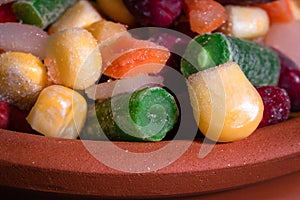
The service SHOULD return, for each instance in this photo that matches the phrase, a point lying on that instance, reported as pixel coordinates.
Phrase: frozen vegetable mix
(101, 69)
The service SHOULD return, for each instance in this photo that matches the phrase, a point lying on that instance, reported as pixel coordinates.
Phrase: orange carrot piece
(204, 15)
(139, 61)
(126, 56)
(279, 11)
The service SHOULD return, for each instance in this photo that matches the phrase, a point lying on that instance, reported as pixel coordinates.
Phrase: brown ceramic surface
(64, 166)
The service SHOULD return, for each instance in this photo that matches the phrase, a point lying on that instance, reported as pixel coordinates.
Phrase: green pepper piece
(145, 115)
(40, 12)
(259, 62)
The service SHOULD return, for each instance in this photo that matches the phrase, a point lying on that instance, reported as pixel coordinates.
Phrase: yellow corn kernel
(246, 22)
(22, 77)
(73, 58)
(226, 105)
(80, 15)
(58, 112)
(105, 31)
(117, 11)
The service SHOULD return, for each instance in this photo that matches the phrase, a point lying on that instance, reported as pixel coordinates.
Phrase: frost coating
(22, 77)
(58, 112)
(74, 55)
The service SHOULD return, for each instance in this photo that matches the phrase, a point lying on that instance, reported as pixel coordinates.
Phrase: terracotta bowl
(77, 167)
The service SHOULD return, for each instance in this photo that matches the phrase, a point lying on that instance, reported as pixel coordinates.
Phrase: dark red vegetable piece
(7, 14)
(289, 79)
(4, 113)
(276, 105)
(160, 13)
(12, 118)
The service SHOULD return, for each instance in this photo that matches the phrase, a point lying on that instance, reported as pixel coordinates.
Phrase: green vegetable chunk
(145, 115)
(40, 12)
(259, 63)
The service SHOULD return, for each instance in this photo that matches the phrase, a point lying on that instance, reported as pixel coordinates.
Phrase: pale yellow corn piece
(225, 104)
(295, 6)
(73, 58)
(58, 112)
(117, 11)
(22, 77)
(80, 15)
(246, 22)
(105, 31)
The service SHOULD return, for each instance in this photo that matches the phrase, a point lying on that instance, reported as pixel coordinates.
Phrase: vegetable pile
(74, 69)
